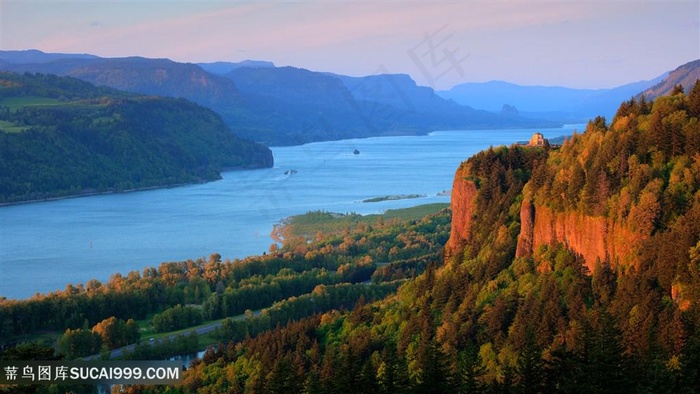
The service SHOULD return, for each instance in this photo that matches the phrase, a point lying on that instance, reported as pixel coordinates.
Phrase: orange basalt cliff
(595, 238)
(463, 202)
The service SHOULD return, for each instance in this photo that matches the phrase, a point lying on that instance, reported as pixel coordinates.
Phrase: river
(46, 245)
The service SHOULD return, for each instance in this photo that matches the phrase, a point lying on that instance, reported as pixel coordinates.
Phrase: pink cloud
(358, 37)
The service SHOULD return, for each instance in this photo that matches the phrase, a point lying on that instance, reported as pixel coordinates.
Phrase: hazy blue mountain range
(547, 102)
(401, 92)
(288, 106)
(260, 102)
(294, 100)
(222, 68)
(35, 56)
(160, 77)
(685, 75)
(333, 105)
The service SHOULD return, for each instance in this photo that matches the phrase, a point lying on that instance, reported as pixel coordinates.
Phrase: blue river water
(46, 245)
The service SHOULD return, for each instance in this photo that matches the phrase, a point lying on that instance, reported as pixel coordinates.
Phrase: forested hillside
(568, 269)
(684, 75)
(277, 105)
(301, 278)
(484, 320)
(60, 136)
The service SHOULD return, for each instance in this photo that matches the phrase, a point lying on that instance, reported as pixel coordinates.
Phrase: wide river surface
(45, 246)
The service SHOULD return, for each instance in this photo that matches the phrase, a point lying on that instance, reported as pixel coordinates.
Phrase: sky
(579, 44)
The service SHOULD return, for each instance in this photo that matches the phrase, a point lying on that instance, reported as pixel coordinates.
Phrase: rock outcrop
(463, 203)
(526, 238)
(595, 238)
(537, 139)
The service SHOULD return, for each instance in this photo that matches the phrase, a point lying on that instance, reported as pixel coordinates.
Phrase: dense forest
(484, 320)
(298, 278)
(60, 136)
(498, 310)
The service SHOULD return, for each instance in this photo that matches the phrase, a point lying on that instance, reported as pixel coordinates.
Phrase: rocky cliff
(595, 238)
(463, 206)
(627, 194)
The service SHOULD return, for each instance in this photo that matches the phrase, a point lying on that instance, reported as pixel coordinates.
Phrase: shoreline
(394, 197)
(134, 190)
(228, 247)
(231, 169)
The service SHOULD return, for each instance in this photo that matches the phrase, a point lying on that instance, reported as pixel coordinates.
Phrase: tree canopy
(60, 136)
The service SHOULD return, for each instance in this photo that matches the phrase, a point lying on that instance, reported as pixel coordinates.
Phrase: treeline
(284, 285)
(646, 141)
(54, 87)
(108, 334)
(181, 294)
(220, 288)
(60, 137)
(486, 321)
(641, 172)
(322, 299)
(176, 318)
(138, 294)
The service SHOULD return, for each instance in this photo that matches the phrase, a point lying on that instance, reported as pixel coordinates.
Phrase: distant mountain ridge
(400, 92)
(547, 102)
(268, 116)
(222, 68)
(162, 77)
(300, 99)
(685, 75)
(36, 56)
(325, 104)
(492, 95)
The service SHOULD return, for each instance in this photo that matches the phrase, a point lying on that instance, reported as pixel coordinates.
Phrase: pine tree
(470, 370)
(694, 100)
(530, 368)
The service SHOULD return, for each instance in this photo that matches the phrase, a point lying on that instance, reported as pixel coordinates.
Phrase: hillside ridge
(266, 115)
(60, 136)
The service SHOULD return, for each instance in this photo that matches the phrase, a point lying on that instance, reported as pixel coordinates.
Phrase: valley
(552, 267)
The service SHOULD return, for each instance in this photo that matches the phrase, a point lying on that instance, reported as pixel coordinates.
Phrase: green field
(30, 101)
(394, 197)
(9, 127)
(15, 103)
(310, 223)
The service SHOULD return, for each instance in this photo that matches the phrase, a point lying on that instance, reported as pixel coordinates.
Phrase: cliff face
(593, 237)
(463, 202)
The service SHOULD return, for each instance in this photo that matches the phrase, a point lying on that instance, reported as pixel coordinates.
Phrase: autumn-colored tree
(117, 332)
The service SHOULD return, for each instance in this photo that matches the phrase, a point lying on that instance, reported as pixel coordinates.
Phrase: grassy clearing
(394, 197)
(147, 332)
(414, 213)
(30, 101)
(310, 223)
(9, 127)
(14, 103)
